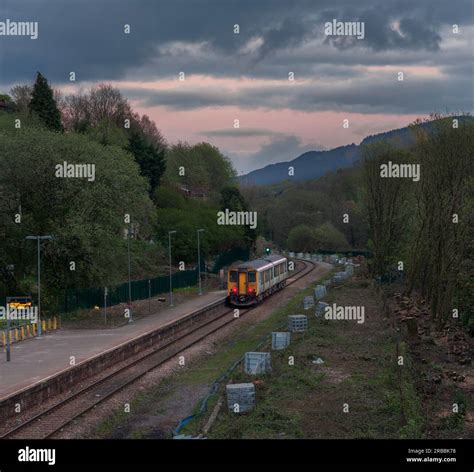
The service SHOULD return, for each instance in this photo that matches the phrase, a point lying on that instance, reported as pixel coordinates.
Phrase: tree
(440, 237)
(329, 238)
(150, 159)
(86, 217)
(106, 116)
(44, 105)
(302, 239)
(199, 166)
(386, 200)
(232, 199)
(21, 95)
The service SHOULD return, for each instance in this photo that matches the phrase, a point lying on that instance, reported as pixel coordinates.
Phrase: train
(250, 282)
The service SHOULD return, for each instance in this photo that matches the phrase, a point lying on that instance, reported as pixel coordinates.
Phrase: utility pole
(199, 261)
(169, 253)
(38, 239)
(130, 319)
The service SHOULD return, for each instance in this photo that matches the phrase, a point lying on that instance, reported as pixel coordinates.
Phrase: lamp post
(169, 253)
(199, 261)
(130, 319)
(38, 239)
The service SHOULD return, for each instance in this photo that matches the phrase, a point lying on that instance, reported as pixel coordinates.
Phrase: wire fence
(77, 299)
(71, 300)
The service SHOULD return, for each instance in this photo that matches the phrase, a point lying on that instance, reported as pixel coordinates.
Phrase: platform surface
(35, 359)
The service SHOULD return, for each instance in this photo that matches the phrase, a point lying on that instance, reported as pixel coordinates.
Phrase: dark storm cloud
(384, 32)
(291, 32)
(276, 37)
(87, 36)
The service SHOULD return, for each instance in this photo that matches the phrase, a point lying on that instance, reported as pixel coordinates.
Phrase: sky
(245, 76)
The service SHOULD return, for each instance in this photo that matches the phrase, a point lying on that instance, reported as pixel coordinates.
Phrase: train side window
(252, 277)
(234, 277)
(277, 271)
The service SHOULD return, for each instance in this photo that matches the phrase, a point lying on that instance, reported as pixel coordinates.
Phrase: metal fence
(76, 299)
(87, 298)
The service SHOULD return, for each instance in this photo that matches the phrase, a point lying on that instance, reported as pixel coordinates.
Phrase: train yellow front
(250, 282)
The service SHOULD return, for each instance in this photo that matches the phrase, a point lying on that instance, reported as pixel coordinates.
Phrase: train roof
(274, 258)
(260, 263)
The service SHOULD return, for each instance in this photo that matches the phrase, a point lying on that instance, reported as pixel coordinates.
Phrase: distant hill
(314, 164)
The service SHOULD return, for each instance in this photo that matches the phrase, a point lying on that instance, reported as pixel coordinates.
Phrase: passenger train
(249, 283)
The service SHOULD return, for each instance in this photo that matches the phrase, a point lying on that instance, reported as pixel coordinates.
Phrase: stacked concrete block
(257, 363)
(320, 292)
(297, 323)
(308, 302)
(280, 340)
(240, 397)
(300, 255)
(344, 275)
(320, 307)
(291, 254)
(350, 269)
(337, 279)
(333, 258)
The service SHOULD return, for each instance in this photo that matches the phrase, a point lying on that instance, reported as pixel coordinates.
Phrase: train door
(242, 282)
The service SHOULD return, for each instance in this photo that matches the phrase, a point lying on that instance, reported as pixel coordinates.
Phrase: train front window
(234, 276)
(252, 277)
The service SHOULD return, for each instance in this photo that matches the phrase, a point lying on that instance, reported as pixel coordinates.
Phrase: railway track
(54, 418)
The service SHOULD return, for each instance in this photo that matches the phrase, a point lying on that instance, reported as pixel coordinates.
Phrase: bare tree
(21, 95)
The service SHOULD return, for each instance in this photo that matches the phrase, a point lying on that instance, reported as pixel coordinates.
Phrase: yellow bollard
(33, 328)
(10, 336)
(22, 333)
(43, 325)
(16, 334)
(28, 333)
(55, 323)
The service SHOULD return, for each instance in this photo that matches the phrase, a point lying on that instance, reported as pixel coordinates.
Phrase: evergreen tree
(43, 104)
(150, 159)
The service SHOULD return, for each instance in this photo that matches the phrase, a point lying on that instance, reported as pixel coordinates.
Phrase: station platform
(36, 359)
